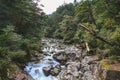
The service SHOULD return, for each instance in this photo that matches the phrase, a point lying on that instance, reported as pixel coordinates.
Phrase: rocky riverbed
(67, 62)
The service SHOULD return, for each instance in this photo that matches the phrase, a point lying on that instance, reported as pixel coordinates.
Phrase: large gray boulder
(60, 57)
(73, 68)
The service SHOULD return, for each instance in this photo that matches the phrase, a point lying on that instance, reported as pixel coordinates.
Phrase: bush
(19, 56)
(114, 58)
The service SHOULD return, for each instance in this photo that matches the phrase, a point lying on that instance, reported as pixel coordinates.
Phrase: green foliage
(77, 37)
(68, 28)
(10, 38)
(19, 56)
(4, 60)
(100, 16)
(57, 17)
(21, 28)
(116, 35)
(57, 34)
(114, 58)
(82, 11)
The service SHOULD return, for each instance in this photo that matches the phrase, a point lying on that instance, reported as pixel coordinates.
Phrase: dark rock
(36, 54)
(91, 52)
(68, 41)
(46, 70)
(60, 57)
(111, 75)
(71, 56)
(36, 71)
(82, 45)
(33, 59)
(46, 54)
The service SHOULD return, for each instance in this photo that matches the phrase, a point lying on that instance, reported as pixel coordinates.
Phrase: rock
(36, 57)
(111, 75)
(60, 57)
(37, 71)
(56, 70)
(46, 70)
(90, 68)
(68, 41)
(93, 70)
(46, 54)
(73, 69)
(72, 56)
(33, 59)
(36, 54)
(18, 74)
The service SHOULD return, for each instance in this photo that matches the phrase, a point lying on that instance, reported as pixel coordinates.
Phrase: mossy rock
(106, 65)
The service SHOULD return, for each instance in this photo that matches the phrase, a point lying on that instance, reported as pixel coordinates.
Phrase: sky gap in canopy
(51, 5)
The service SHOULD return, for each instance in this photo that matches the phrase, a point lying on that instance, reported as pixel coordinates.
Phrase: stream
(36, 69)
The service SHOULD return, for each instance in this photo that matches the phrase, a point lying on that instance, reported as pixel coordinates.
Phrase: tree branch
(93, 33)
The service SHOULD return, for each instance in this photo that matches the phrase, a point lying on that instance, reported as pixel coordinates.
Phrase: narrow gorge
(67, 62)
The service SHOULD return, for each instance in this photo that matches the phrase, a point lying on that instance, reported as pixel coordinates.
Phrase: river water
(35, 70)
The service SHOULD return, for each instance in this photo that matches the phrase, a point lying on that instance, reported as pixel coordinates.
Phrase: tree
(55, 18)
(21, 23)
(68, 28)
(99, 19)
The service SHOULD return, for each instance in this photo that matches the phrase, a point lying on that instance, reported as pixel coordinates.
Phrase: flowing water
(35, 70)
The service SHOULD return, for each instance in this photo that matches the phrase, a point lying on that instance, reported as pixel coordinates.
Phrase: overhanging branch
(93, 33)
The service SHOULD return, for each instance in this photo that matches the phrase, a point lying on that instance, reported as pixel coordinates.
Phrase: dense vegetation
(96, 22)
(21, 28)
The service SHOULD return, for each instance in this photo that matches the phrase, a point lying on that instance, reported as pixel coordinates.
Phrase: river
(49, 49)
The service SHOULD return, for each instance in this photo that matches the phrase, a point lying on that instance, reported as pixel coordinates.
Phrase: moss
(105, 65)
(102, 77)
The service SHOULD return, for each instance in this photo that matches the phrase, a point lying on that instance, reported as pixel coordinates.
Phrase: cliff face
(95, 70)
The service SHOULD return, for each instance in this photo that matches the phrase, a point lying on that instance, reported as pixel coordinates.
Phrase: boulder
(55, 70)
(60, 57)
(46, 70)
(111, 75)
(73, 68)
(72, 56)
